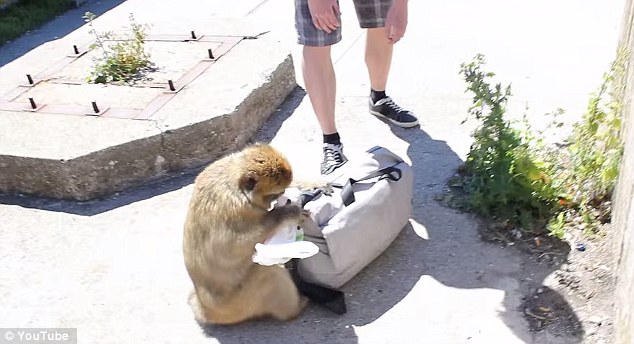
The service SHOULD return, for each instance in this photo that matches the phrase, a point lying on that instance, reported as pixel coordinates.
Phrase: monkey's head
(266, 173)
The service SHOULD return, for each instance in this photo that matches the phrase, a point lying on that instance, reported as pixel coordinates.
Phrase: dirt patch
(576, 299)
(546, 308)
(568, 284)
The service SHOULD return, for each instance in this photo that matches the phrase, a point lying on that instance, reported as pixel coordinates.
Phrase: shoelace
(332, 154)
(389, 102)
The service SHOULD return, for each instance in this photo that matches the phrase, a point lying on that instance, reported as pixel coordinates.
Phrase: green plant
(122, 61)
(589, 167)
(556, 225)
(511, 174)
(504, 178)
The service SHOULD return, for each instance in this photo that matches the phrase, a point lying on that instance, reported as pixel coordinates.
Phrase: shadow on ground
(476, 264)
(452, 254)
(56, 28)
(96, 206)
(165, 184)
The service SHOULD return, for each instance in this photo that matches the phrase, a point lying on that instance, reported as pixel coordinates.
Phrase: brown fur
(227, 216)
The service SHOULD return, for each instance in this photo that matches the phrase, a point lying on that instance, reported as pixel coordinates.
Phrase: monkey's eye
(249, 183)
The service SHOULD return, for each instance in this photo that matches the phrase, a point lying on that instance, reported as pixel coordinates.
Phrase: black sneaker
(387, 108)
(333, 158)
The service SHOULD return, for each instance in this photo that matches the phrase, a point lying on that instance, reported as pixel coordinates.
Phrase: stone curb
(133, 163)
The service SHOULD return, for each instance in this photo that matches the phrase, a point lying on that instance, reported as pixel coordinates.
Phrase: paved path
(114, 270)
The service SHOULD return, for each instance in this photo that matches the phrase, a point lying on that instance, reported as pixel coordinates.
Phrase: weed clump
(122, 60)
(512, 176)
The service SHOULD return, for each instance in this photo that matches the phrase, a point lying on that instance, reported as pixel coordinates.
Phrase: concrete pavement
(114, 270)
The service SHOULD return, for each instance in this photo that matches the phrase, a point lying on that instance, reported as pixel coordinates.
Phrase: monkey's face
(266, 174)
(263, 191)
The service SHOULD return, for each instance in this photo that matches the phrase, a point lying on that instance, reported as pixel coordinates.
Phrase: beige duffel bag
(371, 204)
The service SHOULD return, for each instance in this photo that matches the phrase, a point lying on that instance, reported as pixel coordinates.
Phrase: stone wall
(623, 212)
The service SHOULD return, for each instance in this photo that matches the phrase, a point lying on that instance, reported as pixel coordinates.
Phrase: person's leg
(320, 82)
(378, 59)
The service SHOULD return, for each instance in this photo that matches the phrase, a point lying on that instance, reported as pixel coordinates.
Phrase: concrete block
(83, 157)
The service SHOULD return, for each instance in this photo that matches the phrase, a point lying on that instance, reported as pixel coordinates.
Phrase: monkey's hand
(288, 213)
(318, 184)
(306, 216)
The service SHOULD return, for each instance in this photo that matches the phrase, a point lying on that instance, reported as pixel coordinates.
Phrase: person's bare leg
(321, 85)
(378, 58)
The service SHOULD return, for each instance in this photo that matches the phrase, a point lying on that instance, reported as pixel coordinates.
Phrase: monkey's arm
(312, 184)
(289, 214)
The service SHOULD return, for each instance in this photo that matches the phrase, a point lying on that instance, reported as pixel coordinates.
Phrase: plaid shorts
(371, 14)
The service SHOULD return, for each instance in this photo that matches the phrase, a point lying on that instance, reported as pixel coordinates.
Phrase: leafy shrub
(121, 61)
(588, 168)
(503, 178)
(512, 175)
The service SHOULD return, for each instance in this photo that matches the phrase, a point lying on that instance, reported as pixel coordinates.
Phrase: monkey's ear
(248, 181)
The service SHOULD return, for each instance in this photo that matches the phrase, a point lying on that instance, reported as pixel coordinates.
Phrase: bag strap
(329, 298)
(308, 196)
(392, 173)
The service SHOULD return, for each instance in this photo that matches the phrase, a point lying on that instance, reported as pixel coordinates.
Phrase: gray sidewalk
(113, 269)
